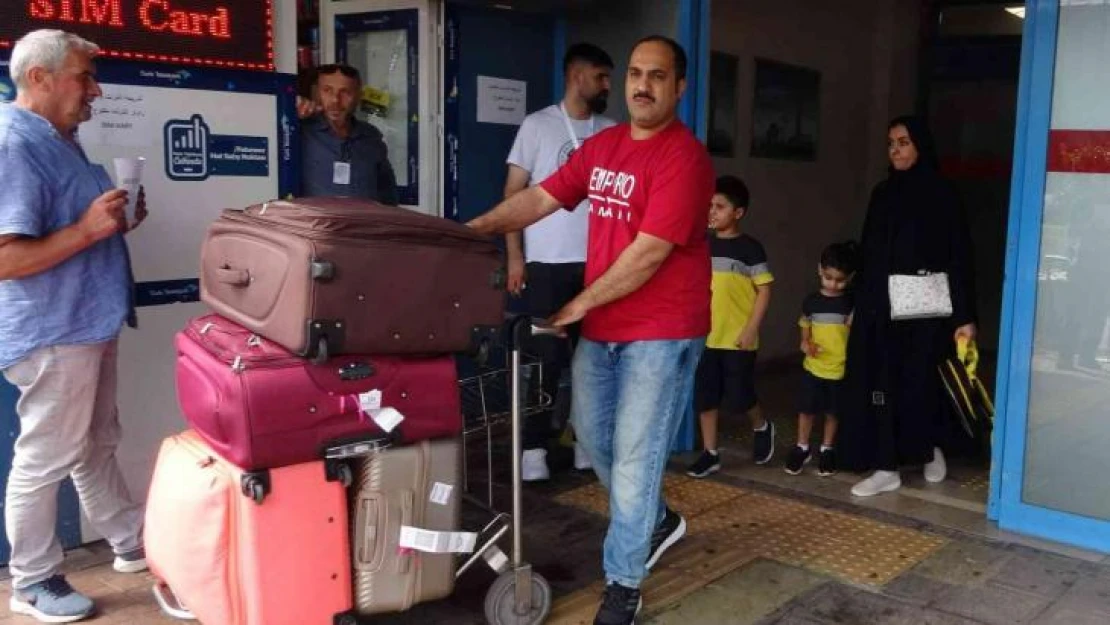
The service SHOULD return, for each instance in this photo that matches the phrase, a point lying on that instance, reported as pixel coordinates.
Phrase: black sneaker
(798, 459)
(619, 606)
(669, 532)
(826, 462)
(763, 447)
(705, 465)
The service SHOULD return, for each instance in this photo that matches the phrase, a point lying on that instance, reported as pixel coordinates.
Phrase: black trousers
(550, 287)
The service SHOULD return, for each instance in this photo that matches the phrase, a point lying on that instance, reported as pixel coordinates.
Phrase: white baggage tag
(441, 493)
(437, 542)
(341, 173)
(387, 418)
(370, 400)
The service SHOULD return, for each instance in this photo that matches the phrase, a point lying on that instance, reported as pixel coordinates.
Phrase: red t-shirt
(661, 186)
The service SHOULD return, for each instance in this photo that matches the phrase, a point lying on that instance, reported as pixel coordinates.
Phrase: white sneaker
(581, 460)
(534, 466)
(937, 470)
(879, 482)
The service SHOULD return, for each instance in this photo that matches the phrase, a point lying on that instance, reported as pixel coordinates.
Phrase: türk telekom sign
(221, 33)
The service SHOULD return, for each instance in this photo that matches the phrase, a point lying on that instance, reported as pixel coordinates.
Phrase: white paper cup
(129, 175)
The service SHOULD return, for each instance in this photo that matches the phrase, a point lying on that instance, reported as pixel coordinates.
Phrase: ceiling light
(1016, 11)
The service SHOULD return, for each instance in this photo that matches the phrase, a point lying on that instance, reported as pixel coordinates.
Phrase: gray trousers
(69, 426)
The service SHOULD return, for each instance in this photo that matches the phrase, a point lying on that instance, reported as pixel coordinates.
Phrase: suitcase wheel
(258, 492)
(481, 355)
(501, 601)
(346, 476)
(321, 351)
(256, 486)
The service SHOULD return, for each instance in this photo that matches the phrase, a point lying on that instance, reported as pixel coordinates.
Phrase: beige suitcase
(417, 486)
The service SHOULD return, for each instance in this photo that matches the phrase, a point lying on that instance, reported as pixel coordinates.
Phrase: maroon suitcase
(261, 407)
(325, 276)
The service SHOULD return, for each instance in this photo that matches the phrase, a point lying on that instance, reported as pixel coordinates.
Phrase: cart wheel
(346, 476)
(501, 601)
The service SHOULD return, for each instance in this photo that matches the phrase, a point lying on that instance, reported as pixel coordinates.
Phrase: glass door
(1057, 408)
(390, 43)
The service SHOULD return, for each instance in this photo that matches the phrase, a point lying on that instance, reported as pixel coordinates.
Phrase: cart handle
(524, 326)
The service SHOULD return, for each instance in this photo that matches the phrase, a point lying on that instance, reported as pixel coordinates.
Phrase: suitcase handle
(356, 371)
(234, 277)
(172, 607)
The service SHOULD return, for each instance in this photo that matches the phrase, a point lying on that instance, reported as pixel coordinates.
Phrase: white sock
(826, 447)
(803, 447)
(711, 452)
(764, 428)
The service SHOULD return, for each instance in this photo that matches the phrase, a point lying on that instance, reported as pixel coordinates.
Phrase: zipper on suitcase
(412, 235)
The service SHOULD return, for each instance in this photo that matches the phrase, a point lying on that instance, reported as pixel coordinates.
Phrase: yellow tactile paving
(729, 527)
(688, 496)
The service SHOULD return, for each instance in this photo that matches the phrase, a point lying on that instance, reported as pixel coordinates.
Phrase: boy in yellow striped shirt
(825, 322)
(725, 379)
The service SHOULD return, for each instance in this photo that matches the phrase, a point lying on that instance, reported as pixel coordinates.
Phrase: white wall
(866, 53)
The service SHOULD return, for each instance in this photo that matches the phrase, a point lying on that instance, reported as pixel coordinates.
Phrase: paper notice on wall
(437, 542)
(121, 118)
(502, 101)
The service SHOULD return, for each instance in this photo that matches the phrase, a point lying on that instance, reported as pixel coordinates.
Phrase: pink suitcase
(259, 406)
(237, 548)
(325, 276)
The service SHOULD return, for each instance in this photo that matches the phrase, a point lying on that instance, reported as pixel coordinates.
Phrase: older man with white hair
(65, 293)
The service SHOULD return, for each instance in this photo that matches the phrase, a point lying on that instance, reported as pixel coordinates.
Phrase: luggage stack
(321, 476)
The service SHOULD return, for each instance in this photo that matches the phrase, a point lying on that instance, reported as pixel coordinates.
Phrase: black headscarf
(922, 139)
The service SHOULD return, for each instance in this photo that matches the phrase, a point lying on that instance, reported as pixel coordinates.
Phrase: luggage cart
(497, 399)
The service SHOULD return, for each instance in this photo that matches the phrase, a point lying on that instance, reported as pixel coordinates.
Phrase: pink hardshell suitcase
(260, 406)
(238, 548)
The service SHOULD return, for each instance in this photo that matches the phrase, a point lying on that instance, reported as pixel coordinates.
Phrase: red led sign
(234, 34)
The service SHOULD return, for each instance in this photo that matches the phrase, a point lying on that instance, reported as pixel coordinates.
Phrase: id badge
(341, 173)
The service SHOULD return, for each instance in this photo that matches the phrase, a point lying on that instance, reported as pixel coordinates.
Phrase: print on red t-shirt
(661, 186)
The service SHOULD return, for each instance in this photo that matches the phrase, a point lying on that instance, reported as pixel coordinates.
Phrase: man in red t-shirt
(645, 308)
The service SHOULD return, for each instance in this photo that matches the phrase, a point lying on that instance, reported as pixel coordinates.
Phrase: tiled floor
(764, 548)
(752, 556)
(121, 599)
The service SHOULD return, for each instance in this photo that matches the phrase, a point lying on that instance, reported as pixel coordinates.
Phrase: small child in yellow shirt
(825, 323)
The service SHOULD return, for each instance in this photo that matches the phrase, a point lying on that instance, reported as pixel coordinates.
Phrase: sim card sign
(187, 149)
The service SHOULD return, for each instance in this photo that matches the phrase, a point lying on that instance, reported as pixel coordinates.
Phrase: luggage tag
(341, 173)
(437, 542)
(441, 494)
(386, 418)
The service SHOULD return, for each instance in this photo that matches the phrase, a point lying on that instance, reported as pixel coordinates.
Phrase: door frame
(1035, 93)
(426, 197)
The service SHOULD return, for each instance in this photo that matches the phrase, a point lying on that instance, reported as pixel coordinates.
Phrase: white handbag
(924, 296)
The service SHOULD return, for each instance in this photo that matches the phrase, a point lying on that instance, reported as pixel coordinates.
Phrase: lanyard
(570, 128)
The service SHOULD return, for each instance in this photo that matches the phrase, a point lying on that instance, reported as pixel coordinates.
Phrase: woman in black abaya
(894, 410)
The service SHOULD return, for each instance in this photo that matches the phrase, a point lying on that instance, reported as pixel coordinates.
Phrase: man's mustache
(641, 94)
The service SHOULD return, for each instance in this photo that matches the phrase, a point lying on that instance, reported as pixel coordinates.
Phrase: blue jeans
(628, 403)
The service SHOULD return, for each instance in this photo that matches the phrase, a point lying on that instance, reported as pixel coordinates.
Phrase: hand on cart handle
(542, 327)
(520, 328)
(572, 313)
